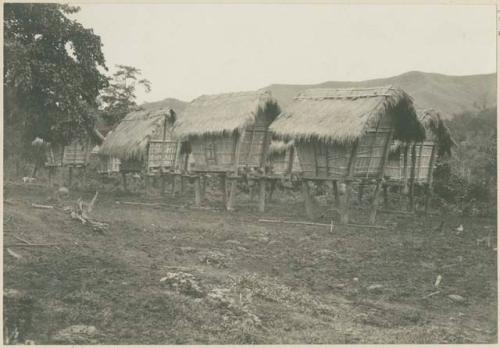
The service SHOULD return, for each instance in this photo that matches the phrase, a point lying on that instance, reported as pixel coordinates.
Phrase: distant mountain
(449, 94)
(175, 104)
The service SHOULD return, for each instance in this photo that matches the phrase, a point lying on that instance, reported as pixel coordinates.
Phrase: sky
(187, 50)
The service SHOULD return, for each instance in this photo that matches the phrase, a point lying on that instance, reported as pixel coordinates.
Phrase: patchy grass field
(179, 275)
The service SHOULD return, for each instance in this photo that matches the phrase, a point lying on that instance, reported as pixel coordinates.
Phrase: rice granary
(344, 134)
(228, 133)
(414, 162)
(282, 158)
(144, 141)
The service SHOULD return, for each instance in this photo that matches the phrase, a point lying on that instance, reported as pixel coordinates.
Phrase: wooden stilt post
(70, 174)
(147, 181)
(84, 179)
(344, 212)
(197, 191)
(309, 203)
(430, 179)
(411, 203)
(183, 184)
(262, 195)
(237, 153)
(232, 194)
(271, 190)
(203, 187)
(361, 191)
(374, 203)
(251, 190)
(51, 173)
(373, 211)
(172, 183)
(223, 186)
(124, 181)
(336, 192)
(162, 183)
(386, 197)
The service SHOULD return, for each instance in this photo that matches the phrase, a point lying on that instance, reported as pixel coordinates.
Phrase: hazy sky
(186, 50)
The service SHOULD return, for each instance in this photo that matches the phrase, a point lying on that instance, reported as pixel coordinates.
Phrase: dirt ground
(176, 274)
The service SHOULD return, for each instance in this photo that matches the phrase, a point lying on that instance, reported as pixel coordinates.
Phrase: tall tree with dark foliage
(53, 72)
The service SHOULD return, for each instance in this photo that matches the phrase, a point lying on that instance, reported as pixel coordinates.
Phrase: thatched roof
(343, 115)
(279, 147)
(436, 130)
(225, 113)
(130, 138)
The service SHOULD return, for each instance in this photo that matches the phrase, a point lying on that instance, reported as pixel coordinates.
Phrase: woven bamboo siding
(319, 160)
(280, 163)
(370, 153)
(132, 166)
(255, 143)
(213, 153)
(395, 167)
(108, 165)
(161, 155)
(76, 154)
(423, 160)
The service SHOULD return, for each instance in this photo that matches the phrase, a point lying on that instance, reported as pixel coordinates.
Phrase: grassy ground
(179, 275)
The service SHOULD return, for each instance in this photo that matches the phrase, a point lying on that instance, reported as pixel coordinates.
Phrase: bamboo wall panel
(76, 154)
(161, 155)
(108, 165)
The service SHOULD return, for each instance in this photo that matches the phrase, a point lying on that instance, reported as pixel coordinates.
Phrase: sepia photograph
(249, 173)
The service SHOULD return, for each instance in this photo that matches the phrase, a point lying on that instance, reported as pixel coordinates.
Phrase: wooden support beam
(271, 190)
(411, 203)
(124, 181)
(386, 197)
(262, 195)
(336, 193)
(147, 183)
(70, 174)
(203, 187)
(311, 209)
(172, 184)
(223, 185)
(430, 179)
(344, 209)
(361, 190)
(234, 184)
(197, 191)
(374, 205)
(162, 188)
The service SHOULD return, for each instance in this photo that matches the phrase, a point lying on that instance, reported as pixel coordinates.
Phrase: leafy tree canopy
(119, 98)
(53, 72)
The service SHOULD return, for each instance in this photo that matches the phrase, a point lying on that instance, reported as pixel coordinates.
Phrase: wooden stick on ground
(41, 206)
(318, 224)
(29, 245)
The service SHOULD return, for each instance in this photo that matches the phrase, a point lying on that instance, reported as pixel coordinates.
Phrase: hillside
(449, 94)
(176, 104)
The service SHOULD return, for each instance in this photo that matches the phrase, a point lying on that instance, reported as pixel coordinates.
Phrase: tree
(119, 98)
(53, 73)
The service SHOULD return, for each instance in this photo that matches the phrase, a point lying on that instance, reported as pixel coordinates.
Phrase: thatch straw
(278, 147)
(436, 130)
(225, 113)
(344, 115)
(131, 137)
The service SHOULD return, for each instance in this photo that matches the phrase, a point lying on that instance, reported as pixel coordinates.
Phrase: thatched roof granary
(436, 144)
(144, 139)
(228, 131)
(342, 133)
